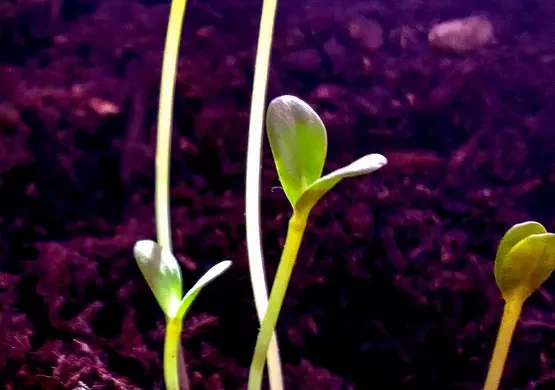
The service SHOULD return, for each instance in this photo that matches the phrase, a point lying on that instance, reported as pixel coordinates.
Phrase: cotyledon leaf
(362, 166)
(526, 266)
(298, 141)
(209, 276)
(162, 273)
(512, 237)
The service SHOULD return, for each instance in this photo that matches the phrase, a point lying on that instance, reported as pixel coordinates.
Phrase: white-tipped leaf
(209, 276)
(162, 273)
(362, 166)
(299, 144)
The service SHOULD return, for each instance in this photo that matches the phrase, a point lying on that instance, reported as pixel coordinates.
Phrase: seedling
(298, 141)
(525, 259)
(155, 259)
(163, 275)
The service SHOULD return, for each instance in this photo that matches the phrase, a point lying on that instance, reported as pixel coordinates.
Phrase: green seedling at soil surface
(525, 259)
(155, 259)
(163, 275)
(298, 141)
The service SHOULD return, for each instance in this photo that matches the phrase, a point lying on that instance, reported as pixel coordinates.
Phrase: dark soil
(394, 286)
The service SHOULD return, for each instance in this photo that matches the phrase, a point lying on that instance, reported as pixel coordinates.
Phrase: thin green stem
(511, 314)
(172, 342)
(165, 114)
(252, 192)
(295, 232)
(172, 347)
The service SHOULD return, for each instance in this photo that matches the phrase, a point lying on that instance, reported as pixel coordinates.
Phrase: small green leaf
(515, 234)
(162, 273)
(362, 166)
(209, 276)
(298, 141)
(526, 266)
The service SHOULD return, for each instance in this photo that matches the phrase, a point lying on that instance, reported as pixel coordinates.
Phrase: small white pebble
(103, 107)
(461, 35)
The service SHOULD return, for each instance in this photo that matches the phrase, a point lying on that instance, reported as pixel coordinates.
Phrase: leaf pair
(163, 275)
(525, 259)
(299, 144)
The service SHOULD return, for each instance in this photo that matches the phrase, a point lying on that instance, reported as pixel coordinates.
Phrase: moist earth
(393, 286)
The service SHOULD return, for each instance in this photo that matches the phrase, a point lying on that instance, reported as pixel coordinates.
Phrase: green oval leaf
(298, 141)
(209, 276)
(514, 235)
(162, 273)
(526, 266)
(362, 166)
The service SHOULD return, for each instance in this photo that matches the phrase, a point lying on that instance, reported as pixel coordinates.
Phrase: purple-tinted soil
(394, 285)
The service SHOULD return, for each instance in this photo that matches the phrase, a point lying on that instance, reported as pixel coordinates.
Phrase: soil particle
(393, 287)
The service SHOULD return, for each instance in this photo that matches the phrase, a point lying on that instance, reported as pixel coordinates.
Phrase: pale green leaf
(514, 235)
(362, 166)
(526, 266)
(298, 141)
(209, 276)
(162, 273)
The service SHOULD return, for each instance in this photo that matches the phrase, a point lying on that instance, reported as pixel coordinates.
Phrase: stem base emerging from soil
(295, 232)
(511, 314)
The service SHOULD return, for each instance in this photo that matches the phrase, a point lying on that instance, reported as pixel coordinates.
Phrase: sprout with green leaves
(525, 259)
(298, 141)
(155, 259)
(163, 275)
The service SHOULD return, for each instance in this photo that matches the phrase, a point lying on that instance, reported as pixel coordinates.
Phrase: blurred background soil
(393, 287)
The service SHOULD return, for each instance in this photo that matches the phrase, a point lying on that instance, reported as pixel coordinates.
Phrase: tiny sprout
(163, 275)
(299, 144)
(525, 259)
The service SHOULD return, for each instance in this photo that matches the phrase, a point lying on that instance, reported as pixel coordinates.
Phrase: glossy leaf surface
(524, 260)
(162, 273)
(362, 166)
(298, 141)
(208, 277)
